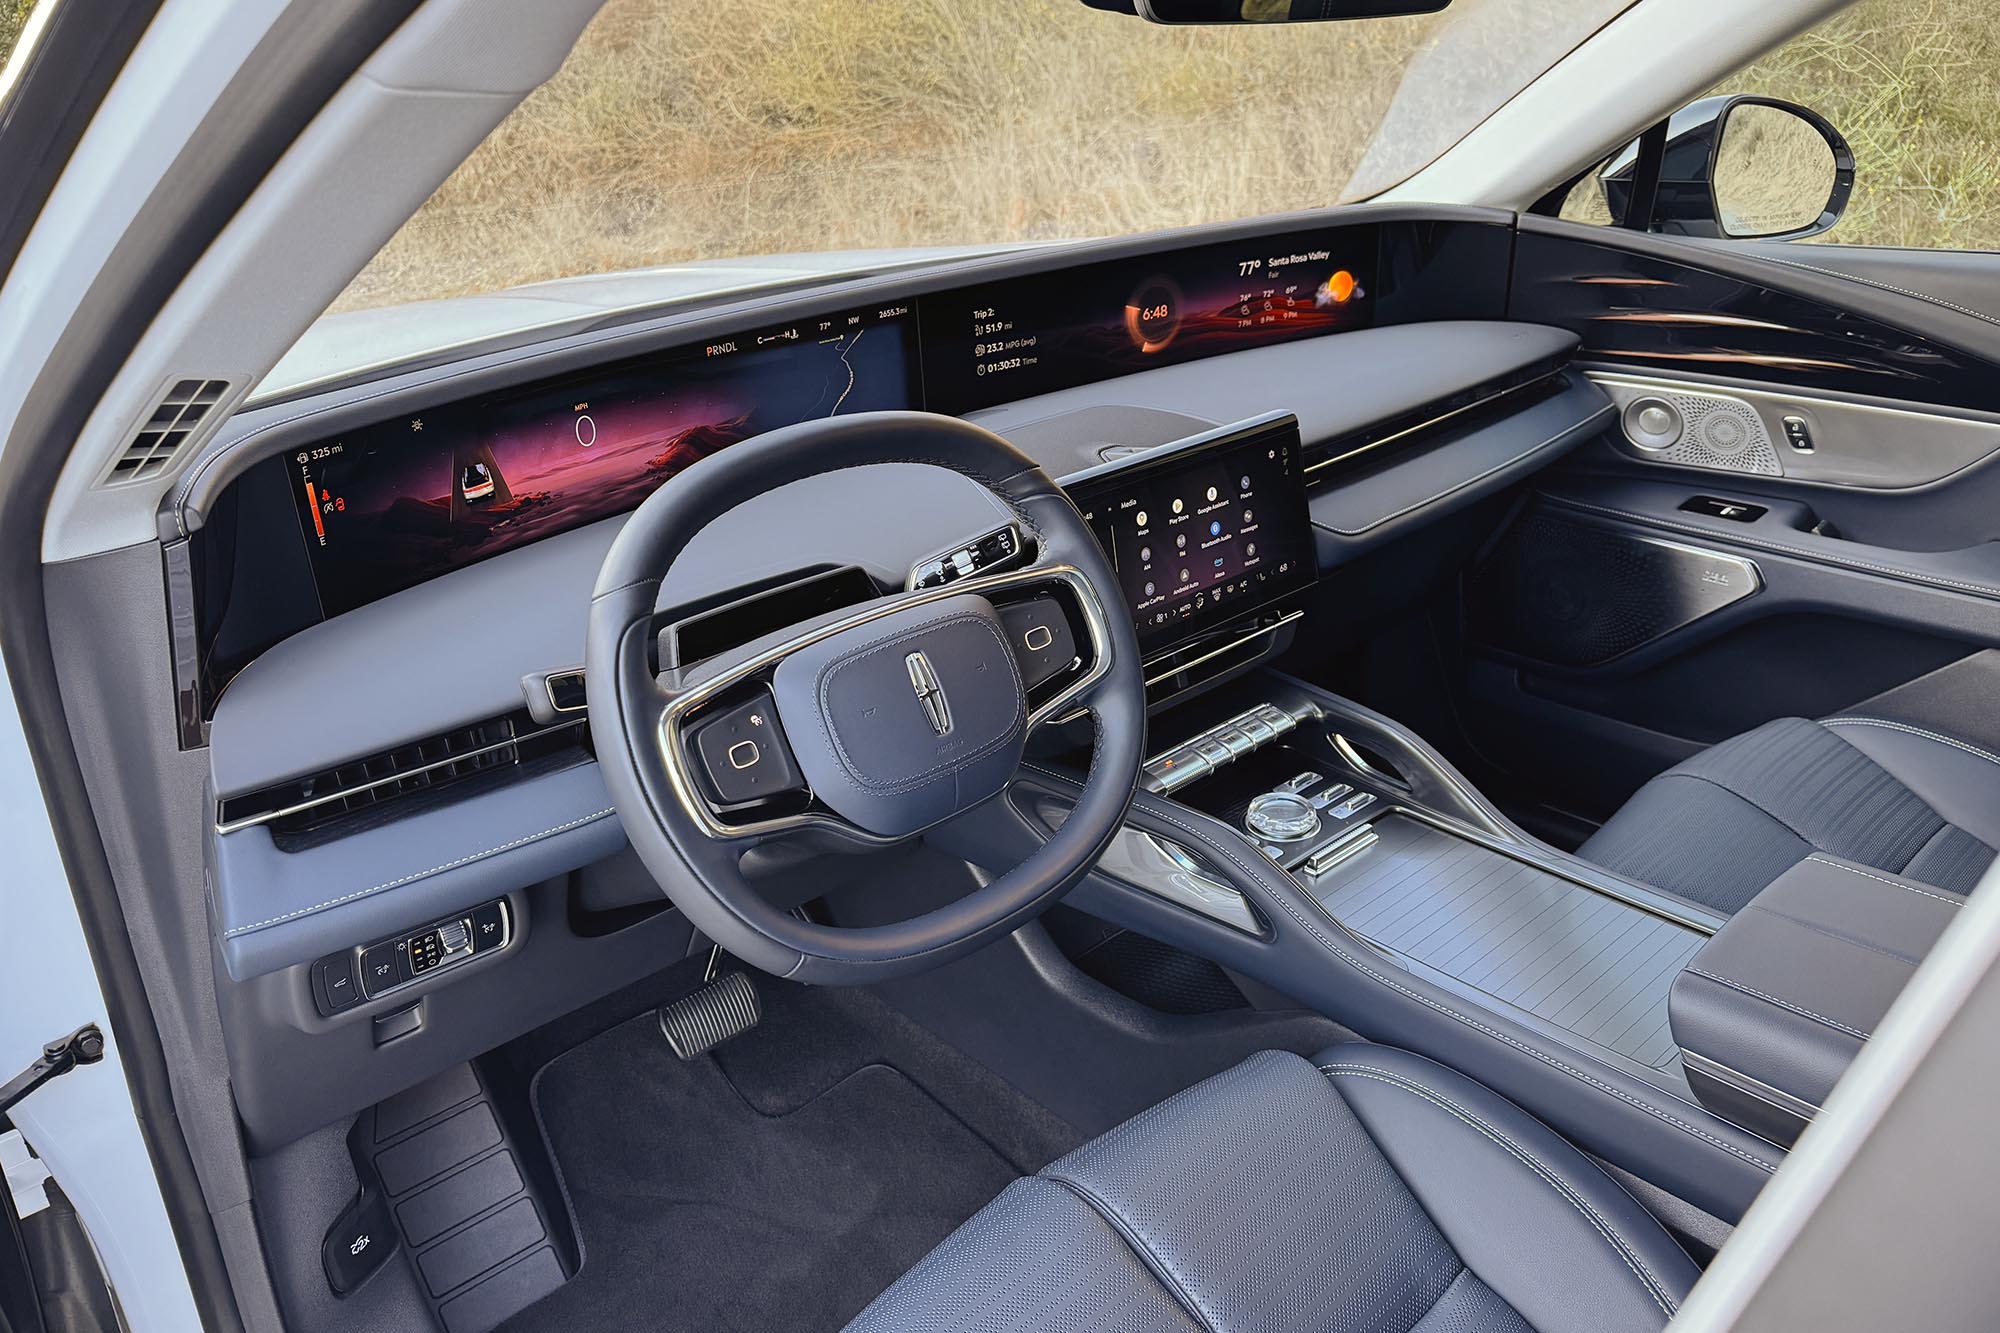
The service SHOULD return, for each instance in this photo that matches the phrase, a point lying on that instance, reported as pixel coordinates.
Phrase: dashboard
(467, 502)
(377, 590)
(400, 501)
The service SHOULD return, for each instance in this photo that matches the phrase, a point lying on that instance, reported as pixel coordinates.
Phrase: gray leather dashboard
(453, 651)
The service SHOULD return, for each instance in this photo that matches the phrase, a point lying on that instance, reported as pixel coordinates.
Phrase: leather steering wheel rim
(627, 699)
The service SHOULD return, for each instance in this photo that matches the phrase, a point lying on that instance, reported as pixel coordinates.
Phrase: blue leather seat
(1369, 1190)
(1874, 790)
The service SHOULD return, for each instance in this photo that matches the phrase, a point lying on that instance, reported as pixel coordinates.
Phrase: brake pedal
(696, 1024)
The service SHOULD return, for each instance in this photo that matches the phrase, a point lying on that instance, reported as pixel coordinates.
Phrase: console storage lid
(1771, 1010)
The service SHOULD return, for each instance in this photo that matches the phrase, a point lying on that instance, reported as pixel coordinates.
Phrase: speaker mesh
(1717, 432)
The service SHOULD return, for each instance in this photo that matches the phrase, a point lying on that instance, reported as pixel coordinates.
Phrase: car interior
(1369, 768)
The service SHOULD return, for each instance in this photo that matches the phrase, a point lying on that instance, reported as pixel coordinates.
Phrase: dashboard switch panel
(343, 979)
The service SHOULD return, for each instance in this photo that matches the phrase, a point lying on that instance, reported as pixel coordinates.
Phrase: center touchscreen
(1203, 532)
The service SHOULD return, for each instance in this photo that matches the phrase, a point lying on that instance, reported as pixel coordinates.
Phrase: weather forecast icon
(1339, 289)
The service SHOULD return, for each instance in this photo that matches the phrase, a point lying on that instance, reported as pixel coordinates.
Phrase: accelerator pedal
(696, 1024)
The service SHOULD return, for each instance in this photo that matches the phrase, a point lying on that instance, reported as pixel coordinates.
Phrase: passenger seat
(1907, 782)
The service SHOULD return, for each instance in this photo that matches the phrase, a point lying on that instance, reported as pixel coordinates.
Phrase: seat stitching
(1914, 731)
(1155, 1264)
(421, 874)
(1947, 899)
(1424, 1000)
(1800, 1010)
(1498, 1136)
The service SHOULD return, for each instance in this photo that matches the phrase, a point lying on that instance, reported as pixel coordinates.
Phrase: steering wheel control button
(1282, 816)
(743, 755)
(1043, 644)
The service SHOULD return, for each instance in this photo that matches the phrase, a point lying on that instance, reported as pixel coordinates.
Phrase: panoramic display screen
(387, 507)
(1207, 533)
(1019, 337)
(396, 503)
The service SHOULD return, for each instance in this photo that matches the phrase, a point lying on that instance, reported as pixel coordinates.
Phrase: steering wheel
(872, 723)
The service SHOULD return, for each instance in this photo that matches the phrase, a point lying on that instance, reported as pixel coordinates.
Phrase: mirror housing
(1181, 12)
(1739, 168)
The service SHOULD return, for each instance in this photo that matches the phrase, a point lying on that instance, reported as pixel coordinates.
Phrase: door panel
(1707, 565)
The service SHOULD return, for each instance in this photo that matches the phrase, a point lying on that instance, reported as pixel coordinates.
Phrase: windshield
(684, 131)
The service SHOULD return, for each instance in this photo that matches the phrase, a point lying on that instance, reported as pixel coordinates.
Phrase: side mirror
(1741, 168)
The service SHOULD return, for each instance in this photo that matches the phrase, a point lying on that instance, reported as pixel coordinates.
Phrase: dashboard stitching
(1884, 287)
(1463, 484)
(875, 645)
(1779, 548)
(421, 874)
(1447, 1010)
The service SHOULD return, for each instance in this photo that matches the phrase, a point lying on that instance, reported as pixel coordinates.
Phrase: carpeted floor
(780, 1183)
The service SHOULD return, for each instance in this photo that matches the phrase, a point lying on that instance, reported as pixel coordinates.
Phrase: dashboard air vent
(400, 781)
(181, 410)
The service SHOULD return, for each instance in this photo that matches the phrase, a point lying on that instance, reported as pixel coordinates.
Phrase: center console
(1327, 853)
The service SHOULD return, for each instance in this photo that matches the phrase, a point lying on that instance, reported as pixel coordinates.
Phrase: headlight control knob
(1282, 816)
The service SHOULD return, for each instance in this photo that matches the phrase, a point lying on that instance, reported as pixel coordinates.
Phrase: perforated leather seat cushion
(1374, 1193)
(1722, 825)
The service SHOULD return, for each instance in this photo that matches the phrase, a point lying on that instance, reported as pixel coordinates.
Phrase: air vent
(181, 411)
(401, 781)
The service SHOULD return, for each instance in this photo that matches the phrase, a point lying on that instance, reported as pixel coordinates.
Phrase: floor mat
(783, 1200)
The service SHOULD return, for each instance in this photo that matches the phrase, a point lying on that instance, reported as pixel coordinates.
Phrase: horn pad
(908, 719)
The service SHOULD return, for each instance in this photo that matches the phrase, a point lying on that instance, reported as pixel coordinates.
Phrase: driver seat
(1366, 1190)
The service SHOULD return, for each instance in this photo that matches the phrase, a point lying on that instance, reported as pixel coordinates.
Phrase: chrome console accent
(1201, 755)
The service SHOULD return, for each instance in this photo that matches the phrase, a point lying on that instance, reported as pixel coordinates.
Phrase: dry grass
(685, 130)
(1915, 87)
(13, 17)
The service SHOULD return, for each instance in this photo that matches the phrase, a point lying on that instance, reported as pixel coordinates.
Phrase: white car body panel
(81, 1124)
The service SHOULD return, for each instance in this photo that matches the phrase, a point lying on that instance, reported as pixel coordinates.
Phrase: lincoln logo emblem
(929, 693)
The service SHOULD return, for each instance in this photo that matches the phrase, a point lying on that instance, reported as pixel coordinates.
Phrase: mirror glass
(1280, 11)
(1774, 172)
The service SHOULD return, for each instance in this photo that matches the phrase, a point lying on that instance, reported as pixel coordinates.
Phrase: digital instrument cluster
(401, 501)
(1204, 532)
